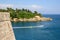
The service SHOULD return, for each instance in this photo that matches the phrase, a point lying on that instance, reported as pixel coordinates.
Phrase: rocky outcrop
(36, 18)
(6, 31)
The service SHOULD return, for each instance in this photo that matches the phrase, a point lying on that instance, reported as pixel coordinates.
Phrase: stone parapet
(6, 31)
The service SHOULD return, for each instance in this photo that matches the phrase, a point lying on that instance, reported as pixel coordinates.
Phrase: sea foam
(29, 27)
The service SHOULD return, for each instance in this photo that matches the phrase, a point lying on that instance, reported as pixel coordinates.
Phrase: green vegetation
(21, 13)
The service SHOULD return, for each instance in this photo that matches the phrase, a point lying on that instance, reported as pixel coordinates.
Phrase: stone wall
(6, 31)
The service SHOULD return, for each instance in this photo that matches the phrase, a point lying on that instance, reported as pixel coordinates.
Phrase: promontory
(24, 15)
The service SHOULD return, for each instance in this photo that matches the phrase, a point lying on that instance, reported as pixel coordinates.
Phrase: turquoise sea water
(49, 30)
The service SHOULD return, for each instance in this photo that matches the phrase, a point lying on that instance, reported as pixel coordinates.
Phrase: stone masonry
(6, 31)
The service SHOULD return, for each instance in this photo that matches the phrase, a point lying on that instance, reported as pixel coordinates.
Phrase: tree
(23, 9)
(35, 12)
(3, 10)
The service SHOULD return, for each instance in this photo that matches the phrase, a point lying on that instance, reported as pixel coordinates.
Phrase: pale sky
(43, 6)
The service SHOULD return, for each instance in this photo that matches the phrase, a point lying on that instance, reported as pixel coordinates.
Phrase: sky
(42, 6)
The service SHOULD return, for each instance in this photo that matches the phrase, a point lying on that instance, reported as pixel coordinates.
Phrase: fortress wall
(6, 31)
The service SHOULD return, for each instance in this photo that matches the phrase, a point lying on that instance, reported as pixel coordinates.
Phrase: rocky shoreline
(36, 18)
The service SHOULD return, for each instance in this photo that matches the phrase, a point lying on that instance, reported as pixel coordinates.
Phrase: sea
(46, 30)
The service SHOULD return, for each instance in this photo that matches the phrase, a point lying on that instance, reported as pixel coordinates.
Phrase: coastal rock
(36, 18)
(45, 19)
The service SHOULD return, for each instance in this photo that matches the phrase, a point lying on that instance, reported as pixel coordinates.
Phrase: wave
(29, 27)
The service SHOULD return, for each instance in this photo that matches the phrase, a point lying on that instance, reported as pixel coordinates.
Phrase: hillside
(21, 13)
